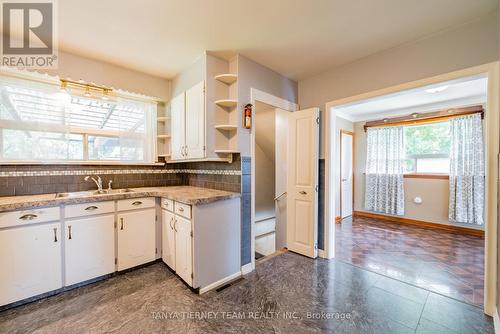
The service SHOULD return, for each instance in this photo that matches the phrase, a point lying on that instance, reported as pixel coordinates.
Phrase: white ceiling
(297, 38)
(463, 92)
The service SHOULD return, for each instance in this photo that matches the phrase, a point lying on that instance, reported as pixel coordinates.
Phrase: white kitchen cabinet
(136, 238)
(187, 112)
(89, 248)
(195, 121)
(168, 239)
(183, 249)
(178, 124)
(30, 258)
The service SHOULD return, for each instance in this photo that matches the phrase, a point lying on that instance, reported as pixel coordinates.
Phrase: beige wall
(341, 124)
(471, 44)
(77, 67)
(434, 192)
(254, 75)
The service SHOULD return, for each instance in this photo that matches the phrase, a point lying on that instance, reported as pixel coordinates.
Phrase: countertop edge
(45, 202)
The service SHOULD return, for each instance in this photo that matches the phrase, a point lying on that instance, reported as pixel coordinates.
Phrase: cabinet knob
(175, 223)
(69, 232)
(137, 203)
(181, 209)
(91, 208)
(302, 192)
(171, 220)
(121, 223)
(55, 234)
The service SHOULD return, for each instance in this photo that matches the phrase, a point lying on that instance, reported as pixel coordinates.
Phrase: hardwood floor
(445, 262)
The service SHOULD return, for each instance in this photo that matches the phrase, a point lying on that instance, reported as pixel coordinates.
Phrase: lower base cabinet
(30, 260)
(184, 249)
(89, 248)
(136, 238)
(168, 239)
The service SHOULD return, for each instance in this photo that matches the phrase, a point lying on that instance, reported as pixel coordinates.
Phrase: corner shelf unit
(226, 113)
(163, 142)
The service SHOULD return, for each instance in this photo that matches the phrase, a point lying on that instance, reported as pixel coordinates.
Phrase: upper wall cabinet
(188, 124)
(204, 112)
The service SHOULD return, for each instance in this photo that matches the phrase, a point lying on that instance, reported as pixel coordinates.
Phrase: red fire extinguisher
(248, 116)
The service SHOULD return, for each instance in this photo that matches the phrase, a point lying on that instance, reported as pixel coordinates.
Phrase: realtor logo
(29, 34)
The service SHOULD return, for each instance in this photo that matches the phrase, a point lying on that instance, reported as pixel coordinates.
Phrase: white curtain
(467, 170)
(384, 170)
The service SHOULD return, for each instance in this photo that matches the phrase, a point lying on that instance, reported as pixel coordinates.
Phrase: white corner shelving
(226, 103)
(227, 78)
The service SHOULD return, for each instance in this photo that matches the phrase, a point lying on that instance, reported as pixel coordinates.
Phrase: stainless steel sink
(92, 193)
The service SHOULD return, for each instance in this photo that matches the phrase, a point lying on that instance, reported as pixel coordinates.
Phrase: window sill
(426, 176)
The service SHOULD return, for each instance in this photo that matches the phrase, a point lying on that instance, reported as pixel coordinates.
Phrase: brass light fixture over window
(88, 87)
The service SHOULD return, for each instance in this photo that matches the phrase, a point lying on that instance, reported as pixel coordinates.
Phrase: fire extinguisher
(248, 116)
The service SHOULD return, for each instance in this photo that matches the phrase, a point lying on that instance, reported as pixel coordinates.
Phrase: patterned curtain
(467, 170)
(384, 170)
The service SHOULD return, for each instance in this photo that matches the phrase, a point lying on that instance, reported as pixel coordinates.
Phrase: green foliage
(431, 138)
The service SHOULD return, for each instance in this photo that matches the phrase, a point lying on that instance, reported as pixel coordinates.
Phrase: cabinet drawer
(87, 209)
(167, 204)
(183, 210)
(136, 203)
(31, 216)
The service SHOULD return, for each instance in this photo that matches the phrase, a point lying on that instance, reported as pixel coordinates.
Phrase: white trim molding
(496, 322)
(220, 282)
(247, 268)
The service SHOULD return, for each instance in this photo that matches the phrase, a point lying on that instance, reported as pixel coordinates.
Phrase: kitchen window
(427, 148)
(39, 123)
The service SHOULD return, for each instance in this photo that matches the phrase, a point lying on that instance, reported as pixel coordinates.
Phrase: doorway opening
(416, 216)
(270, 128)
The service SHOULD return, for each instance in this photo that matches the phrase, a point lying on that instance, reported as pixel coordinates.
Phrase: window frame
(38, 78)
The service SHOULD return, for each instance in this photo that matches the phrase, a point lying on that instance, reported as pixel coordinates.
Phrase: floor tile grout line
(416, 286)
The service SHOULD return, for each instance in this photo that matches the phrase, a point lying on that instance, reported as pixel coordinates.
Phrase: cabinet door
(183, 249)
(195, 121)
(168, 238)
(178, 130)
(89, 248)
(30, 260)
(136, 238)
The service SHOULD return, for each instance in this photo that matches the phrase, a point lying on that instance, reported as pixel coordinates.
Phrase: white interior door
(195, 121)
(346, 174)
(177, 131)
(281, 143)
(302, 181)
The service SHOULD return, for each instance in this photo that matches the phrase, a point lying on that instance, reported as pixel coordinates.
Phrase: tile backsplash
(40, 179)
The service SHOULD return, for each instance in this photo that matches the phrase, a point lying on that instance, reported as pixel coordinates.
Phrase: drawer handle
(302, 192)
(137, 203)
(91, 208)
(175, 223)
(181, 209)
(55, 234)
(69, 232)
(28, 216)
(121, 223)
(171, 220)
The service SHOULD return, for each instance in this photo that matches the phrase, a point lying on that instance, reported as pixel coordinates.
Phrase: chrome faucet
(97, 181)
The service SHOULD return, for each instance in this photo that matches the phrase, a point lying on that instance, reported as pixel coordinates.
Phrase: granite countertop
(185, 194)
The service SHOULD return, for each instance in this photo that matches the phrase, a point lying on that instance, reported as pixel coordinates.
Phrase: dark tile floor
(445, 262)
(287, 293)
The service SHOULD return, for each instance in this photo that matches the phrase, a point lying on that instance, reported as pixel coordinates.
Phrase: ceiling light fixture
(436, 89)
(87, 91)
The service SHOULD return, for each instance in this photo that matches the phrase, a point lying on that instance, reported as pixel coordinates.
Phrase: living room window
(41, 123)
(427, 148)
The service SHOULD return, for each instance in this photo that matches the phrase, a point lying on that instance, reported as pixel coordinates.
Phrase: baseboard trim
(496, 322)
(420, 223)
(338, 219)
(220, 282)
(247, 268)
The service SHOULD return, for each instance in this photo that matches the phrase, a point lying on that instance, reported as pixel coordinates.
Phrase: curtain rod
(431, 117)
